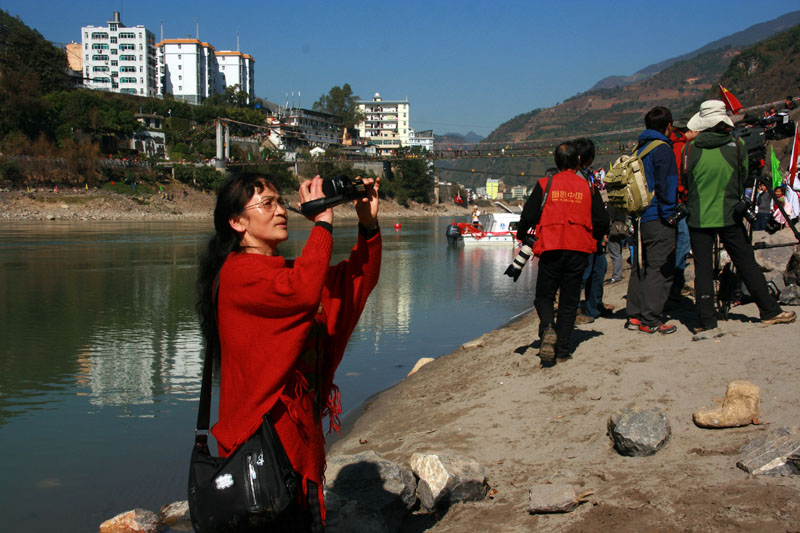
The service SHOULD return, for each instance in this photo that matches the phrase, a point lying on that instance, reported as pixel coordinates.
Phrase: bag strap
(204, 409)
(652, 145)
(546, 192)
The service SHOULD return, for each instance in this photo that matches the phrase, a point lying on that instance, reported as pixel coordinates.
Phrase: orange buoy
(397, 225)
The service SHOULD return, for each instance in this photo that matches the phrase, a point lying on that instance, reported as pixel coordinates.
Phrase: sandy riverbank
(93, 204)
(529, 425)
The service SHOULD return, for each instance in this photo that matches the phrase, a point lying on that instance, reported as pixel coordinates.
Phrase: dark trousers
(559, 270)
(593, 278)
(652, 275)
(734, 238)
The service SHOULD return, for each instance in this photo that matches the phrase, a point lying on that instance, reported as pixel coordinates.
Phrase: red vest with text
(566, 221)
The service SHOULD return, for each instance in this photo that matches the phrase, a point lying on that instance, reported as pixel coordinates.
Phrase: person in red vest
(283, 324)
(569, 218)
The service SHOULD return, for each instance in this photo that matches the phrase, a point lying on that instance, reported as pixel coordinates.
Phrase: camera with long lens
(337, 189)
(525, 253)
(744, 208)
(681, 212)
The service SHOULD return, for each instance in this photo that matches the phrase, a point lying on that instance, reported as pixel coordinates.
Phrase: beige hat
(712, 112)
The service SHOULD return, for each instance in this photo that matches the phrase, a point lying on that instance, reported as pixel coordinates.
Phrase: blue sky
(466, 65)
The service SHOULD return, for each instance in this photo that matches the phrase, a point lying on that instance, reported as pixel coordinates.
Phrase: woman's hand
(367, 208)
(312, 190)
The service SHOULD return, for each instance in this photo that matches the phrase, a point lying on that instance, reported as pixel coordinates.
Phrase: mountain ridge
(740, 39)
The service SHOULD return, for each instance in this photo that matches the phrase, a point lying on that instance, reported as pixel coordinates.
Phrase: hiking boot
(787, 317)
(664, 329)
(583, 319)
(632, 324)
(547, 349)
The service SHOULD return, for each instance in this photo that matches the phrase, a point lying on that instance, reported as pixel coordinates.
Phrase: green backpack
(626, 184)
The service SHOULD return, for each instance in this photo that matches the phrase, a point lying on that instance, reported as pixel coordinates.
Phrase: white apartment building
(119, 59)
(386, 123)
(192, 70)
(236, 68)
(187, 69)
(423, 139)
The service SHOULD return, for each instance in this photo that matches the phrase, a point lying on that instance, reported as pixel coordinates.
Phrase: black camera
(525, 253)
(744, 209)
(681, 212)
(336, 189)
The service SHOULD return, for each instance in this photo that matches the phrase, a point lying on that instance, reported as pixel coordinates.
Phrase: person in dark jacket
(715, 170)
(569, 219)
(653, 260)
(592, 305)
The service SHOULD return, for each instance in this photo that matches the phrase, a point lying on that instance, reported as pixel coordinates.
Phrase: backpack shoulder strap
(652, 145)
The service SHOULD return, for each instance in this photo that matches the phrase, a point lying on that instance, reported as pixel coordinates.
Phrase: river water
(101, 351)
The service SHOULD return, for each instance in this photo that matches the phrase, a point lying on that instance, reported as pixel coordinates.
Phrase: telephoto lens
(515, 268)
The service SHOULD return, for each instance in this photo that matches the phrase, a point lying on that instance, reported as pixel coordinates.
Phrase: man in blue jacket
(653, 264)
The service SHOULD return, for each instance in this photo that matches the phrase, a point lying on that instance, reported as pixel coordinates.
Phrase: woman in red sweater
(283, 324)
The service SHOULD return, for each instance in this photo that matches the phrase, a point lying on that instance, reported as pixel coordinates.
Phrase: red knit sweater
(271, 357)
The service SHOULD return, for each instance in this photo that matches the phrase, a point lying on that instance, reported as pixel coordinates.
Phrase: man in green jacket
(714, 174)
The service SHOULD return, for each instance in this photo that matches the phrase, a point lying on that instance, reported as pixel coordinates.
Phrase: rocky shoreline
(96, 204)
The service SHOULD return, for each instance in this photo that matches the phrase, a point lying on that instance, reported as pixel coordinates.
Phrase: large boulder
(639, 432)
(377, 485)
(447, 479)
(345, 516)
(773, 259)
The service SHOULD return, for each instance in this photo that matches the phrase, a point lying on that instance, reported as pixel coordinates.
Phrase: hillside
(766, 72)
(740, 39)
(762, 73)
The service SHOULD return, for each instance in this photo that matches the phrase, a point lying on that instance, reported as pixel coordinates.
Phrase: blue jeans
(682, 249)
(593, 278)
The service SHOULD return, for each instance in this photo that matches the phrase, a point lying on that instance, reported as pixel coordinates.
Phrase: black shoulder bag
(250, 488)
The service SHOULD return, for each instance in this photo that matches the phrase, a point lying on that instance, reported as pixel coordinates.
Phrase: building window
(180, 78)
(180, 67)
(114, 62)
(113, 40)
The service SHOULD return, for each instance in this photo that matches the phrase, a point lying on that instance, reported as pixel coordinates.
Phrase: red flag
(793, 177)
(731, 102)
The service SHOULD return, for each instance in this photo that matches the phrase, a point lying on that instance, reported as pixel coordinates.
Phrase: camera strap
(546, 192)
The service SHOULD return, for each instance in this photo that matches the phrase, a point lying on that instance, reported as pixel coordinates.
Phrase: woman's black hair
(232, 195)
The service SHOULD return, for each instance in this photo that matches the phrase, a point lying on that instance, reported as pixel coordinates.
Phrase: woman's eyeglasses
(268, 204)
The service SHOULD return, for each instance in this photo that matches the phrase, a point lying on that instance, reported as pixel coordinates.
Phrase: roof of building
(186, 41)
(235, 53)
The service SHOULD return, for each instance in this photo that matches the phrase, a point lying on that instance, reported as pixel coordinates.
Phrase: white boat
(494, 228)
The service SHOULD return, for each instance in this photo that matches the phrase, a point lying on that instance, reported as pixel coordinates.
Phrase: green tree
(340, 101)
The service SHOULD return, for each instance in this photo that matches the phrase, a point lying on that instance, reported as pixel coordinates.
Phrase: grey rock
(345, 516)
(376, 484)
(447, 479)
(176, 516)
(791, 276)
(639, 432)
(774, 259)
(776, 453)
(790, 295)
(552, 498)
